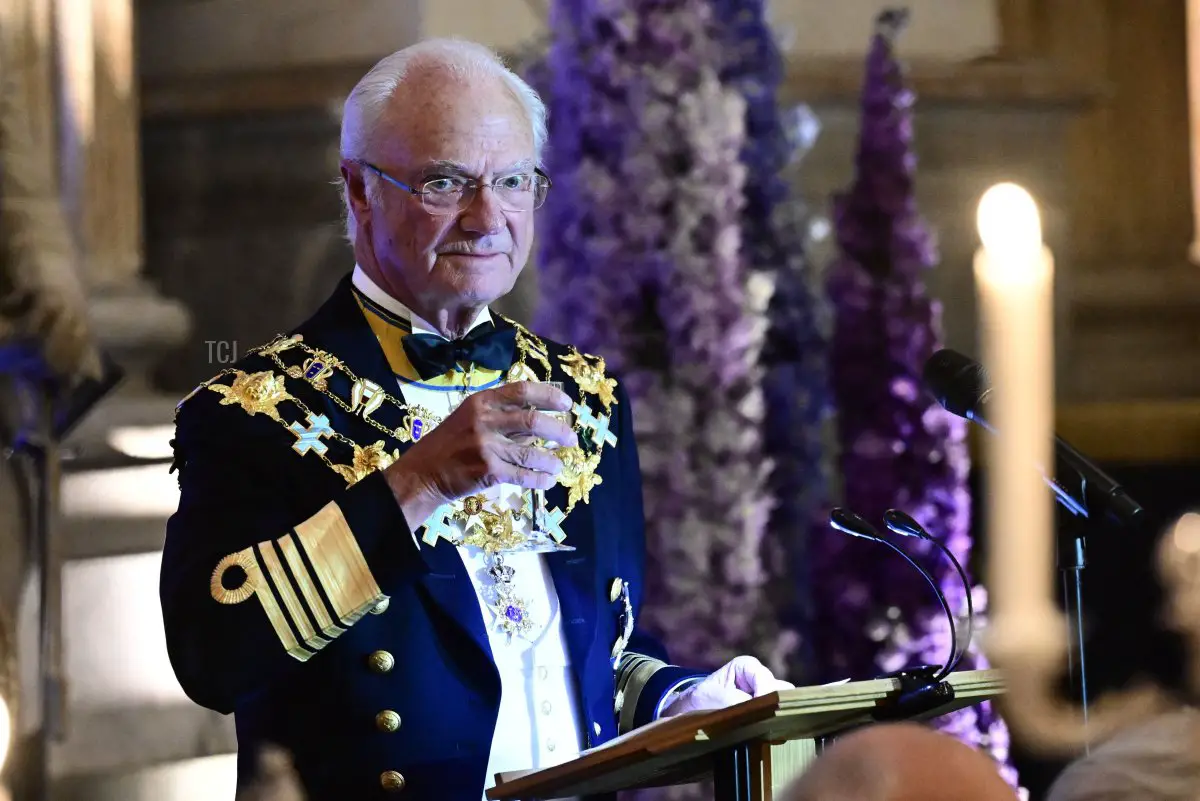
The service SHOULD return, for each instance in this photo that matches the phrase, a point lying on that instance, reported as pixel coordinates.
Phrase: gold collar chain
(262, 392)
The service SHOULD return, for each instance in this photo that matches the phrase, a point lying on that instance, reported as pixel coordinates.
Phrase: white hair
(1157, 761)
(367, 103)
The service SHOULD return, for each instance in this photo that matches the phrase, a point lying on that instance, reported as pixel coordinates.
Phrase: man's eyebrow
(458, 168)
(445, 165)
(524, 165)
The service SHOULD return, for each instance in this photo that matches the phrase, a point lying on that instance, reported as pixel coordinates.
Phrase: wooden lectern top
(680, 749)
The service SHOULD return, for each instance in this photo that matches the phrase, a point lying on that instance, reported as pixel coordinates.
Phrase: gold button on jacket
(391, 781)
(387, 721)
(381, 662)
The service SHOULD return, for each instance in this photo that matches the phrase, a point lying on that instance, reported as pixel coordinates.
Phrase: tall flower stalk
(642, 262)
(898, 449)
(774, 225)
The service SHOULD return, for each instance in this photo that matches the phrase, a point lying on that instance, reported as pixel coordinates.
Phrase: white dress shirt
(539, 724)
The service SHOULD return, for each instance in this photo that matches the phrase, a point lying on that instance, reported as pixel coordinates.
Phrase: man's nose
(484, 215)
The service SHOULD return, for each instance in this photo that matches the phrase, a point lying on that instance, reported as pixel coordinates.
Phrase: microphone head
(847, 522)
(904, 524)
(958, 382)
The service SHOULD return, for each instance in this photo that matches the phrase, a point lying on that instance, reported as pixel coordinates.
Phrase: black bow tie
(486, 346)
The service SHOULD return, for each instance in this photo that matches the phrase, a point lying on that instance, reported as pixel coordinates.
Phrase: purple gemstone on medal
(513, 614)
(314, 369)
(418, 425)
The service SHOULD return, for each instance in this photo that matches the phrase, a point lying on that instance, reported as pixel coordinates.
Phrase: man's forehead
(431, 105)
(466, 143)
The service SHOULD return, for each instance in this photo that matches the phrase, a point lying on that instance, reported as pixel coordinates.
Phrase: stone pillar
(27, 29)
(100, 175)
(1193, 67)
(99, 137)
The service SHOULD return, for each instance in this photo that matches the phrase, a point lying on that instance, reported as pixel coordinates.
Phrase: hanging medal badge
(512, 613)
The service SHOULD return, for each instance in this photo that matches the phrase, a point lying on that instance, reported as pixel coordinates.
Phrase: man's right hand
(476, 448)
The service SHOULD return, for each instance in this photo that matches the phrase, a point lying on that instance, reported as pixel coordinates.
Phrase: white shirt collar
(363, 283)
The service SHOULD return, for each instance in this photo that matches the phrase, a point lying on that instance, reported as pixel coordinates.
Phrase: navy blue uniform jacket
(294, 596)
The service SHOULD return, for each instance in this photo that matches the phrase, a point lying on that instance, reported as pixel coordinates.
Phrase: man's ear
(355, 186)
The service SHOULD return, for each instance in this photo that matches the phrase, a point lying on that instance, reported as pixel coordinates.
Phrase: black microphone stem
(904, 524)
(945, 671)
(962, 574)
(855, 526)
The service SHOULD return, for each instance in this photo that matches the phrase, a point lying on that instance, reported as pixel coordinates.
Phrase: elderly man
(409, 546)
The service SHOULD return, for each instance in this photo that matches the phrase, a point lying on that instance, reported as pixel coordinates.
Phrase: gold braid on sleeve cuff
(334, 582)
(633, 673)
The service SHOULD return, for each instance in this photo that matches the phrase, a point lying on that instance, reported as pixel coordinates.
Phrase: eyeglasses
(448, 194)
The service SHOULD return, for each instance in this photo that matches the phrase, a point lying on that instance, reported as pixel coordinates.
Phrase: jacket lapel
(340, 328)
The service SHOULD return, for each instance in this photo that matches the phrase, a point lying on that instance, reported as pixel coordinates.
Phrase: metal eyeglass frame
(473, 186)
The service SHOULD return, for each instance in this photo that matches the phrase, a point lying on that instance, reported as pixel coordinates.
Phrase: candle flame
(1009, 223)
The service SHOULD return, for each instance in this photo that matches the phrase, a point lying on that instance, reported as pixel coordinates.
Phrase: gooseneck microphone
(960, 384)
(848, 522)
(904, 525)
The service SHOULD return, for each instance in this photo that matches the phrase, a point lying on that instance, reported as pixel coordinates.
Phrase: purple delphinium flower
(898, 448)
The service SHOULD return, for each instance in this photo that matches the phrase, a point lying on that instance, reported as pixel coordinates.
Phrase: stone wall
(189, 38)
(962, 29)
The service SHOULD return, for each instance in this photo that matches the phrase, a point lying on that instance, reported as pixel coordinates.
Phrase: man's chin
(481, 277)
(478, 292)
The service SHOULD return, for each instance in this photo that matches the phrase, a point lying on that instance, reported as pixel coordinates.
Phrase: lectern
(751, 750)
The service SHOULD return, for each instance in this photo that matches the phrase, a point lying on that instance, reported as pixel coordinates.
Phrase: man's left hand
(739, 680)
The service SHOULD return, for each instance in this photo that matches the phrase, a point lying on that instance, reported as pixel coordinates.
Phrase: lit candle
(1014, 278)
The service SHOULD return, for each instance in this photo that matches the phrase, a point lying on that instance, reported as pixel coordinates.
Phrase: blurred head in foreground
(276, 781)
(1156, 761)
(900, 762)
